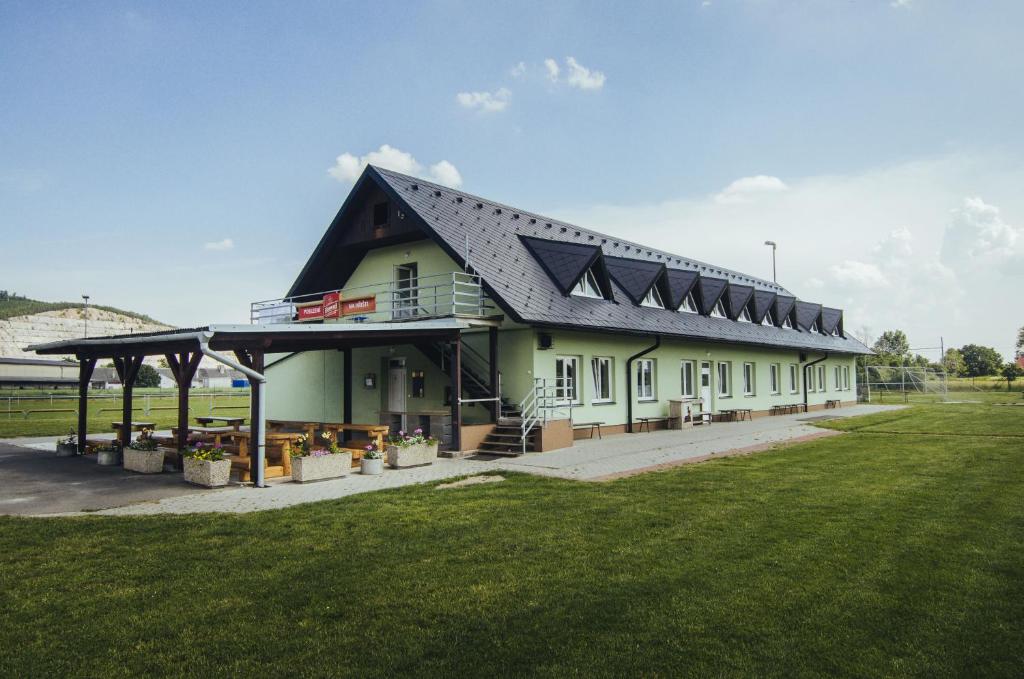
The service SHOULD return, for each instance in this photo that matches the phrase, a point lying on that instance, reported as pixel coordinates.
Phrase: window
(814, 326)
(588, 287)
(688, 305)
(748, 379)
(809, 376)
(566, 376)
(406, 292)
(687, 379)
(836, 333)
(821, 378)
(653, 299)
(769, 320)
(786, 324)
(744, 316)
(380, 214)
(846, 377)
(602, 369)
(724, 379)
(837, 376)
(719, 310)
(645, 379)
(773, 378)
(794, 378)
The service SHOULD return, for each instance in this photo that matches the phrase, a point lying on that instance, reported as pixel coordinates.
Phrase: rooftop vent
(497, 210)
(515, 215)
(458, 199)
(437, 194)
(479, 206)
(532, 220)
(415, 187)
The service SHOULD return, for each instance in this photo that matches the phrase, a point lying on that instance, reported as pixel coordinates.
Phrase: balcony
(438, 296)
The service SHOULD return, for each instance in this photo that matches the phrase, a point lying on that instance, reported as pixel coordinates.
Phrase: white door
(396, 386)
(705, 386)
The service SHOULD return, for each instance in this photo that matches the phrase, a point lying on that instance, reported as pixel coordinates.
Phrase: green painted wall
(304, 386)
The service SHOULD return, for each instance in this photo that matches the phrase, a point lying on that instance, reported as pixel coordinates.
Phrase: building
(496, 328)
(37, 373)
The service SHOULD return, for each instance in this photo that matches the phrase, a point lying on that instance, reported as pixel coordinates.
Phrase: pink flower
(369, 447)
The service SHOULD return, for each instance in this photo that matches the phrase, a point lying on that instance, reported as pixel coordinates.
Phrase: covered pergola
(244, 348)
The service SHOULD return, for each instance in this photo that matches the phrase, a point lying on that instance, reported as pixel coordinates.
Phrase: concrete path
(589, 460)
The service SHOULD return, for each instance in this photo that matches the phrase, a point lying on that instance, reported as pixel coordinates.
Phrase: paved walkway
(588, 460)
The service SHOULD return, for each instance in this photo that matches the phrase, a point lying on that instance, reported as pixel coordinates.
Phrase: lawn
(875, 553)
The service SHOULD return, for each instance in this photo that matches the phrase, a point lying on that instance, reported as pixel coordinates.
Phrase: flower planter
(309, 468)
(207, 473)
(371, 467)
(67, 449)
(415, 455)
(108, 458)
(144, 461)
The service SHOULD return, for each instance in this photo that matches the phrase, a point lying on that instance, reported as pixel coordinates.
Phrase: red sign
(358, 305)
(310, 312)
(332, 305)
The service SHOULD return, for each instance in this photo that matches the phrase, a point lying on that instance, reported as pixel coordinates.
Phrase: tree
(953, 362)
(1020, 341)
(1011, 371)
(892, 347)
(980, 361)
(147, 377)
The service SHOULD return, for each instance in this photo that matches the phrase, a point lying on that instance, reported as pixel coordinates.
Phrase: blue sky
(879, 142)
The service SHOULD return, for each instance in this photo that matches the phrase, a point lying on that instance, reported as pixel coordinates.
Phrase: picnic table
(832, 403)
(736, 414)
(133, 426)
(375, 432)
(206, 434)
(233, 422)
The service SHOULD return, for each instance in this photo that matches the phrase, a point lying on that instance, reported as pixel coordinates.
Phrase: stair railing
(544, 399)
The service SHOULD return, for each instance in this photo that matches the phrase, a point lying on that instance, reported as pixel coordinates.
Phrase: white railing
(546, 398)
(439, 295)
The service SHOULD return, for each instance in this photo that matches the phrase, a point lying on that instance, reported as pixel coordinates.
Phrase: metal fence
(40, 405)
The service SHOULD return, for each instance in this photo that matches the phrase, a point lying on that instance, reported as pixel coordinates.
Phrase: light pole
(86, 298)
(772, 243)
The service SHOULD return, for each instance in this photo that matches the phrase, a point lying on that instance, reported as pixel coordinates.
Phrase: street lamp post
(772, 243)
(86, 298)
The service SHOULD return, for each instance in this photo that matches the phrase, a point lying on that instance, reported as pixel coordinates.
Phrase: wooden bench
(591, 425)
(646, 422)
(832, 403)
(736, 414)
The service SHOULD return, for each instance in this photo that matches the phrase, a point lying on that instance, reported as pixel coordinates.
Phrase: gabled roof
(807, 313)
(565, 263)
(763, 301)
(783, 307)
(490, 233)
(830, 318)
(739, 295)
(680, 283)
(635, 276)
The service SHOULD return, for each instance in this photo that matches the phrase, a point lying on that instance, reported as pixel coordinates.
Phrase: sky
(183, 159)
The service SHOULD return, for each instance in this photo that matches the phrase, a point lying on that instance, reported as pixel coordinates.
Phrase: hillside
(23, 306)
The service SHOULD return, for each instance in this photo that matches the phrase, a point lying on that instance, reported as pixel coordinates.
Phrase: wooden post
(127, 369)
(456, 386)
(492, 345)
(346, 390)
(183, 366)
(85, 368)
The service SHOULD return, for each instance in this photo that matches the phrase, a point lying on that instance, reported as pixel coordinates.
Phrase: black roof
(763, 301)
(739, 295)
(518, 271)
(635, 276)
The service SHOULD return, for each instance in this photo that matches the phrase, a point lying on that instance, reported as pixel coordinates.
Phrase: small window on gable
(786, 324)
(768, 320)
(653, 299)
(380, 214)
(744, 316)
(814, 326)
(588, 287)
(719, 310)
(688, 305)
(835, 332)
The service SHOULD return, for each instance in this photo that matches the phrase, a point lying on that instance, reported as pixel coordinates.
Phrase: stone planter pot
(144, 461)
(306, 469)
(67, 449)
(109, 458)
(371, 467)
(411, 456)
(207, 473)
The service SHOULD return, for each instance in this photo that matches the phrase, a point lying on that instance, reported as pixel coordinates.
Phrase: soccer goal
(902, 384)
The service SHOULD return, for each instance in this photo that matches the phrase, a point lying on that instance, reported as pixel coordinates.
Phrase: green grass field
(46, 417)
(896, 549)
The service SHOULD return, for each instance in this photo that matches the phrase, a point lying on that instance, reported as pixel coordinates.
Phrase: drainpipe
(806, 366)
(261, 401)
(629, 380)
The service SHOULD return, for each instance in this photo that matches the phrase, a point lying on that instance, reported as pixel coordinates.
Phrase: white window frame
(567, 391)
(692, 365)
(723, 375)
(689, 305)
(601, 383)
(786, 325)
(646, 390)
(653, 299)
(749, 378)
(809, 376)
(837, 376)
(775, 378)
(822, 375)
(744, 316)
(768, 319)
(794, 378)
(587, 286)
(718, 311)
(846, 377)
(814, 326)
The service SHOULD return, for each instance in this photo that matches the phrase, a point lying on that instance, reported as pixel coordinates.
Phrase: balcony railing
(435, 296)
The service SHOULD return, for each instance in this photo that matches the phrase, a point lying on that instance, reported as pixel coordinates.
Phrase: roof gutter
(810, 365)
(629, 380)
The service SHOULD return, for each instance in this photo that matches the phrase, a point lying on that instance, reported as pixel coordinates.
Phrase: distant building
(37, 373)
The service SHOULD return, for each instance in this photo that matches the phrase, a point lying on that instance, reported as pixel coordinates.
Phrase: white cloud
(858, 274)
(901, 4)
(582, 77)
(219, 245)
(745, 189)
(490, 102)
(519, 70)
(977, 235)
(552, 68)
(347, 167)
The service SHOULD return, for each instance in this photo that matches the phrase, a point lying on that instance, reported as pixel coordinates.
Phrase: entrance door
(406, 284)
(705, 386)
(396, 385)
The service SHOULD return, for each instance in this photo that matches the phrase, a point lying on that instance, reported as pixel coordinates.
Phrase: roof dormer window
(814, 326)
(689, 305)
(588, 287)
(786, 324)
(836, 333)
(653, 299)
(719, 310)
(744, 316)
(768, 320)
